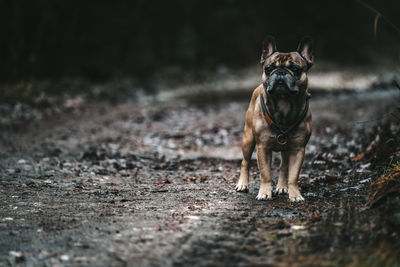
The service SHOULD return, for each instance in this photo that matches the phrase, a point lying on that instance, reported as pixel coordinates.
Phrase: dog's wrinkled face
(285, 74)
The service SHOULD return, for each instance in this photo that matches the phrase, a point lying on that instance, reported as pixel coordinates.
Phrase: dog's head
(285, 74)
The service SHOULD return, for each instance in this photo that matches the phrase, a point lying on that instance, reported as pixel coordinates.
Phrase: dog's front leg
(296, 158)
(264, 156)
(282, 186)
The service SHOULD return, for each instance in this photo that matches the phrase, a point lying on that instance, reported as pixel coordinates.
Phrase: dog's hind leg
(248, 144)
(282, 186)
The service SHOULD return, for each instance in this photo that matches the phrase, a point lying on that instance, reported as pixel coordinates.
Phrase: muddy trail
(153, 185)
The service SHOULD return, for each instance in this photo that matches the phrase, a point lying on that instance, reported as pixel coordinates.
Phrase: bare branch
(378, 15)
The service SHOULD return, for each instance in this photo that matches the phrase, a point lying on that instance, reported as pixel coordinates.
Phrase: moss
(385, 256)
(388, 183)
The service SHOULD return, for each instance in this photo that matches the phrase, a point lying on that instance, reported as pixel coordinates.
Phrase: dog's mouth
(281, 88)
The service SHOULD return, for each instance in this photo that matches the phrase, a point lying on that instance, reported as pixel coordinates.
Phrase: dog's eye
(268, 69)
(296, 70)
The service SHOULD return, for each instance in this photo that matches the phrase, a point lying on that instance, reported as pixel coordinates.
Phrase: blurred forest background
(101, 40)
(121, 125)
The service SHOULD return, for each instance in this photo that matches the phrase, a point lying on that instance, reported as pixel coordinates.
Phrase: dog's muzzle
(282, 82)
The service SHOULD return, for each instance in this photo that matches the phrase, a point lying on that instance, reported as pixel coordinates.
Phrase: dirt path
(153, 186)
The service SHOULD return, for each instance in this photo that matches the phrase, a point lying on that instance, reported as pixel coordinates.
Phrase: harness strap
(274, 126)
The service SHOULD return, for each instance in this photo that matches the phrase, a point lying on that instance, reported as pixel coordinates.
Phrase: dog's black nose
(280, 73)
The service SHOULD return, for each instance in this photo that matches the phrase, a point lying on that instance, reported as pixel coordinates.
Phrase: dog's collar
(281, 136)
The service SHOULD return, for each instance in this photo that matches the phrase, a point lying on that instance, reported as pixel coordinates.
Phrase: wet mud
(153, 185)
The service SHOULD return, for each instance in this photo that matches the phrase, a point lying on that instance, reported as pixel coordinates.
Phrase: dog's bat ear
(306, 50)
(269, 47)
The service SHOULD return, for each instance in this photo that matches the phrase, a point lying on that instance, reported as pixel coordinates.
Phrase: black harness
(282, 132)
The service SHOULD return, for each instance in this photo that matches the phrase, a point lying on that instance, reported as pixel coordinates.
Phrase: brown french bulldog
(279, 119)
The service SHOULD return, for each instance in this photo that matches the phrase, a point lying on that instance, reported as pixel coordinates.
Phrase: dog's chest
(296, 138)
(282, 110)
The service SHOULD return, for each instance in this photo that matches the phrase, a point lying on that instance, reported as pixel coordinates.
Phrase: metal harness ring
(282, 139)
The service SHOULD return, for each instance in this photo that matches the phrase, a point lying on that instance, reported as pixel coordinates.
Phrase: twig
(376, 23)
(159, 191)
(394, 115)
(395, 83)
(373, 120)
(378, 15)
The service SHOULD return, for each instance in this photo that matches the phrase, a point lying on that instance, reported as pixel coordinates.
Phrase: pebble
(297, 227)
(15, 254)
(65, 257)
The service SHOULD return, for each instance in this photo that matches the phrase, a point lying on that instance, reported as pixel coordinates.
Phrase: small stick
(378, 15)
(396, 84)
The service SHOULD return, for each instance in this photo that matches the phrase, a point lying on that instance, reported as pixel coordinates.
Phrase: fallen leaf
(358, 157)
(191, 179)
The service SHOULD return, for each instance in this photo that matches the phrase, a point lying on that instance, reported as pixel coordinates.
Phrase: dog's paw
(263, 196)
(281, 189)
(264, 193)
(240, 187)
(296, 199)
(294, 194)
